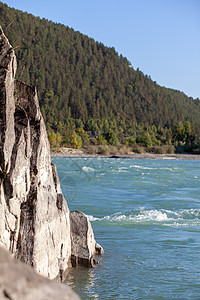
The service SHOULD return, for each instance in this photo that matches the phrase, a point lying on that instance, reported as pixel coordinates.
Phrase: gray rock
(19, 281)
(34, 222)
(83, 244)
(99, 250)
(34, 216)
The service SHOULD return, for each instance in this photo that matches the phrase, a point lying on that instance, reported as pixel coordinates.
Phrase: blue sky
(160, 37)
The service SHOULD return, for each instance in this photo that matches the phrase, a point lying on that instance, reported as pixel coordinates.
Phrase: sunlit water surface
(146, 215)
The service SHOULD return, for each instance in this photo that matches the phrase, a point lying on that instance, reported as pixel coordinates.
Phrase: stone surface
(83, 244)
(20, 282)
(34, 216)
(34, 221)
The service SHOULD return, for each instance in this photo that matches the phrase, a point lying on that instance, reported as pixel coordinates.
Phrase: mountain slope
(83, 84)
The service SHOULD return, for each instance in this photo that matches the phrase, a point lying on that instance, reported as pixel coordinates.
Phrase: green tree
(55, 139)
(111, 137)
(144, 140)
(75, 141)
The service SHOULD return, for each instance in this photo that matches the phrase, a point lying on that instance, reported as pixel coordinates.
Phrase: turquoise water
(146, 215)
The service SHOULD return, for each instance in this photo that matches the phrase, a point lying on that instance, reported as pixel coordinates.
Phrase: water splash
(144, 216)
(88, 169)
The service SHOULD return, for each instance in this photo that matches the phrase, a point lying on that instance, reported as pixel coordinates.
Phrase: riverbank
(70, 152)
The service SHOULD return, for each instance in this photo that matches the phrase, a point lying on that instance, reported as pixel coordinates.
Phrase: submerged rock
(34, 216)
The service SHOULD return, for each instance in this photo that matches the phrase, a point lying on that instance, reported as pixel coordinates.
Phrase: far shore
(70, 152)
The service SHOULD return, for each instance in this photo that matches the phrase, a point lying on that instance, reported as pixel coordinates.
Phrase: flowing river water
(146, 215)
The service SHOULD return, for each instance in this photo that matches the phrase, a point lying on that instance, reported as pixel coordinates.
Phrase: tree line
(91, 95)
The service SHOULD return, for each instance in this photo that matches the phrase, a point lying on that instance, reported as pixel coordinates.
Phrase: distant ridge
(83, 84)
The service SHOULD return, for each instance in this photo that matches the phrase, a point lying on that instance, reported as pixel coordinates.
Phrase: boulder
(19, 281)
(83, 244)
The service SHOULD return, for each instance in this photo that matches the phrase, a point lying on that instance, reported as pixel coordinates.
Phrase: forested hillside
(91, 95)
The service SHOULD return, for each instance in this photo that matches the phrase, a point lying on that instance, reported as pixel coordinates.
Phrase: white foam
(138, 216)
(162, 216)
(141, 167)
(88, 169)
(119, 218)
(152, 215)
(148, 168)
(92, 219)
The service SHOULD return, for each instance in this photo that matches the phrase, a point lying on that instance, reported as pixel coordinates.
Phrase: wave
(149, 168)
(92, 219)
(188, 217)
(120, 170)
(124, 169)
(88, 169)
(141, 167)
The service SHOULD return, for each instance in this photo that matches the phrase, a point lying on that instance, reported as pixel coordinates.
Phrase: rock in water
(20, 282)
(34, 216)
(83, 243)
